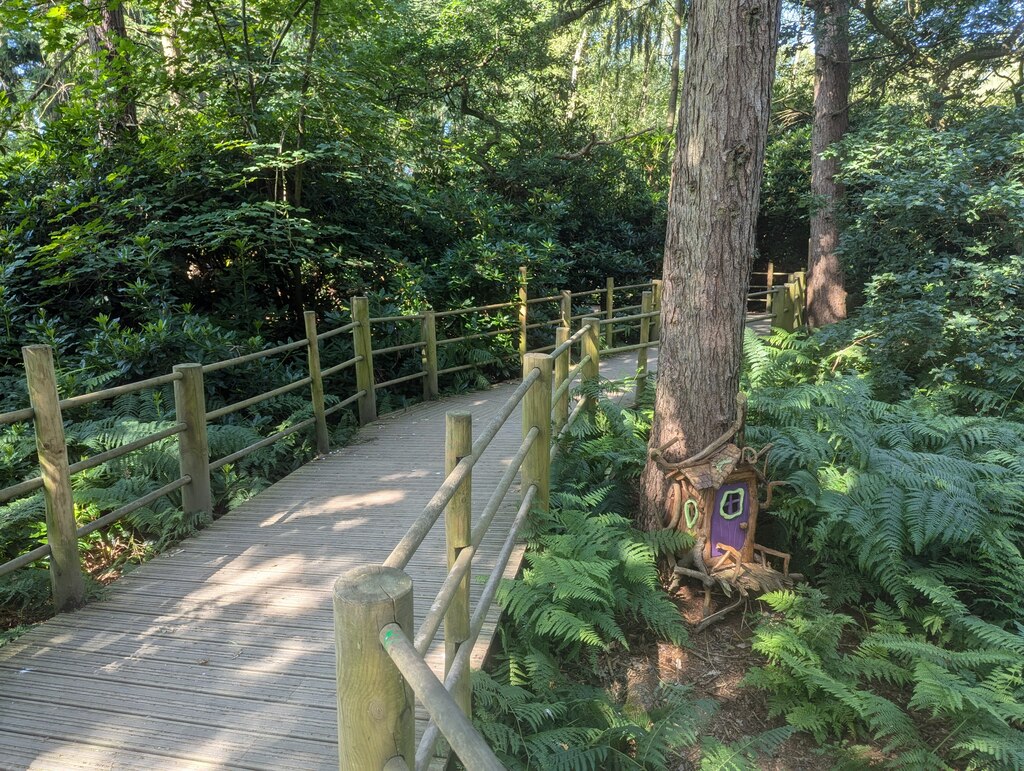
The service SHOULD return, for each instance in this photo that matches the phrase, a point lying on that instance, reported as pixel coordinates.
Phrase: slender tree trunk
(169, 45)
(107, 39)
(712, 216)
(574, 76)
(307, 77)
(826, 294)
(673, 83)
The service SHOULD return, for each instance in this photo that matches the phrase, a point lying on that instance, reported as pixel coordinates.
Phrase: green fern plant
(916, 515)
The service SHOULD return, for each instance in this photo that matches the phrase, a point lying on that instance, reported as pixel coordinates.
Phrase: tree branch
(594, 142)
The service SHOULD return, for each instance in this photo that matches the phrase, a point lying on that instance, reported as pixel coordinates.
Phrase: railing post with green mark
(537, 413)
(193, 445)
(66, 580)
(376, 708)
(561, 406)
(591, 348)
(609, 312)
(430, 389)
(458, 515)
(656, 285)
(363, 347)
(316, 384)
(645, 338)
(523, 307)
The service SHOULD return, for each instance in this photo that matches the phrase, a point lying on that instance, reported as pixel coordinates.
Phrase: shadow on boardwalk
(219, 653)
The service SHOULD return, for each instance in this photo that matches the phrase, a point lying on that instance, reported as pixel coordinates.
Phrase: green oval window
(732, 504)
(691, 513)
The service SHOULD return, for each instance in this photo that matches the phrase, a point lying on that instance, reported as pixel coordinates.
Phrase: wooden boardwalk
(219, 653)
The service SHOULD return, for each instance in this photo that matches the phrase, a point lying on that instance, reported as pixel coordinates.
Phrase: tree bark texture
(826, 293)
(107, 41)
(674, 67)
(710, 238)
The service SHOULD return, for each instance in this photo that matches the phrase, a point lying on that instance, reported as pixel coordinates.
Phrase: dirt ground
(713, 666)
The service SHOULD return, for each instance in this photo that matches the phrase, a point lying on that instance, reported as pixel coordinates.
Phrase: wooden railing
(191, 417)
(380, 656)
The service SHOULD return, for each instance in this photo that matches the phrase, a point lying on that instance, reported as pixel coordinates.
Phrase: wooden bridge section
(220, 653)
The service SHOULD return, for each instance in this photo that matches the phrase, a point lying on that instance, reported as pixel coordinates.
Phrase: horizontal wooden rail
(627, 348)
(121, 390)
(573, 338)
(400, 347)
(403, 379)
(100, 458)
(17, 416)
(549, 323)
(266, 441)
(138, 503)
(475, 309)
(477, 336)
(645, 285)
(548, 299)
(337, 330)
(20, 489)
(23, 560)
(399, 317)
(634, 317)
(464, 367)
(344, 403)
(341, 367)
(225, 363)
(266, 395)
(588, 292)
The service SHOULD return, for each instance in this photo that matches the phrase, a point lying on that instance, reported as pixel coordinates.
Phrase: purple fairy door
(730, 517)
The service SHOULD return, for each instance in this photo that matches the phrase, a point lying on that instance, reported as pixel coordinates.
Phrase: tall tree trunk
(307, 77)
(574, 76)
(826, 294)
(107, 39)
(674, 66)
(712, 216)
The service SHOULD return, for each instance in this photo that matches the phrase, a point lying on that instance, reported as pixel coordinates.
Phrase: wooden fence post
(376, 708)
(770, 296)
(561, 405)
(429, 332)
(779, 307)
(609, 312)
(566, 308)
(801, 304)
(592, 348)
(193, 447)
(66, 581)
(656, 286)
(645, 338)
(316, 385)
(537, 412)
(458, 514)
(523, 307)
(363, 346)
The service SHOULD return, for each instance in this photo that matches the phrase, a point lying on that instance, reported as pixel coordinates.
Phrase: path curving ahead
(220, 652)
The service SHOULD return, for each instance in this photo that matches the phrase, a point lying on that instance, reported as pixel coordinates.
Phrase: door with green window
(730, 517)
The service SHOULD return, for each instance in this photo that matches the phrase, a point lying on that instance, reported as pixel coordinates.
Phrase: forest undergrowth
(905, 647)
